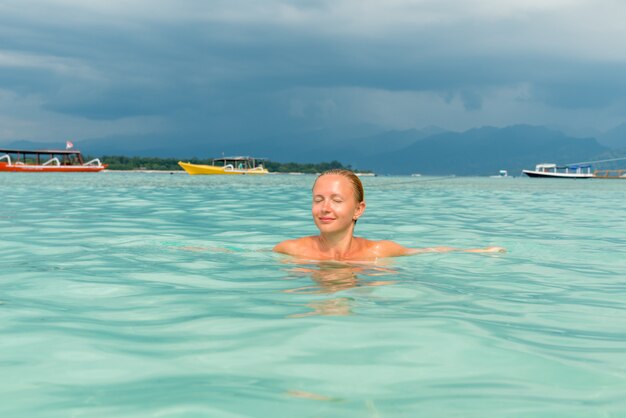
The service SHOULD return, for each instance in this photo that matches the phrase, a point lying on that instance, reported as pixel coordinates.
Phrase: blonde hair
(357, 186)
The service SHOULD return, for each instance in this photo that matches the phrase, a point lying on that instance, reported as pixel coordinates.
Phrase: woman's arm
(449, 249)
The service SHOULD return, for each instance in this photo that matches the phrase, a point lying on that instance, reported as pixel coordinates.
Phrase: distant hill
(484, 151)
(481, 151)
(162, 146)
(313, 146)
(321, 145)
(357, 150)
(614, 138)
(33, 145)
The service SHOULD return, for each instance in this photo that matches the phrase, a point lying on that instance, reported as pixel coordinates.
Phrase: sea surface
(157, 295)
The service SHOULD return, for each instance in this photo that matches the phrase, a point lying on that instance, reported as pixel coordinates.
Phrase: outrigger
(47, 161)
(610, 174)
(226, 165)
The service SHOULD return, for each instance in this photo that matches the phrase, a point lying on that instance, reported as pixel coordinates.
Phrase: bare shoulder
(294, 246)
(386, 248)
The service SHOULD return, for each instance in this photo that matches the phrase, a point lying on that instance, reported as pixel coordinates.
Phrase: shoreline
(146, 171)
(184, 172)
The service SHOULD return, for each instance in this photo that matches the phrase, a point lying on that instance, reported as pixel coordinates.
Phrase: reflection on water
(294, 393)
(329, 307)
(332, 276)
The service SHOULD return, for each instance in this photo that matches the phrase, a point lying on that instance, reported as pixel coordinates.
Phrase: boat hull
(195, 169)
(543, 174)
(28, 168)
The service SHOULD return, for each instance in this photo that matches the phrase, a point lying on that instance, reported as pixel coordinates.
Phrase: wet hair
(357, 186)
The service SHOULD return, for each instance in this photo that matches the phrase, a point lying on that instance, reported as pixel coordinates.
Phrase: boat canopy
(237, 162)
(37, 156)
(545, 166)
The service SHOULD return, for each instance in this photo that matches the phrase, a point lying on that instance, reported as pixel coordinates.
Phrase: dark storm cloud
(244, 66)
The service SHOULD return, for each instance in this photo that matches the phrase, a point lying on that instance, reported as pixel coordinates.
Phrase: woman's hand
(488, 250)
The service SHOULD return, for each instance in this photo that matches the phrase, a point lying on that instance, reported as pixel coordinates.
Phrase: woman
(338, 202)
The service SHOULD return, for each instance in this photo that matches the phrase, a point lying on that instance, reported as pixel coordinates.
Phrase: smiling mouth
(326, 219)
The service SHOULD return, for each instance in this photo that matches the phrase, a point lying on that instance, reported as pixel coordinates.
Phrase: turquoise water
(133, 294)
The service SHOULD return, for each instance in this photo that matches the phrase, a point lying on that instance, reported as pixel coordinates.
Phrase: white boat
(501, 174)
(573, 171)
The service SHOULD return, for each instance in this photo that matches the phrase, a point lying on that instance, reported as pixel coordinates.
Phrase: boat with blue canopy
(570, 171)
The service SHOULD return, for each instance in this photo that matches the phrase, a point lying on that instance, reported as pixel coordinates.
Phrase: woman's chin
(330, 228)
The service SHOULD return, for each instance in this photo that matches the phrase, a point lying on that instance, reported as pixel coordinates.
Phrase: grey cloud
(236, 74)
(471, 100)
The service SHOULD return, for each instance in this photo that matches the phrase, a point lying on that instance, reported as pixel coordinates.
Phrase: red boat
(47, 161)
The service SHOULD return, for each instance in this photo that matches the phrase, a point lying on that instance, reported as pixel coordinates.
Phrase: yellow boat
(226, 165)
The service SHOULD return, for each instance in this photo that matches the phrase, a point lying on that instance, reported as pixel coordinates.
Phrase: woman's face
(334, 205)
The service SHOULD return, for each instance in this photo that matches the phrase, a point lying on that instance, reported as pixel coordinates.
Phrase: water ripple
(127, 294)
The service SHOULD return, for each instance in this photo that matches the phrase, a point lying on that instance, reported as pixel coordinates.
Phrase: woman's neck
(336, 245)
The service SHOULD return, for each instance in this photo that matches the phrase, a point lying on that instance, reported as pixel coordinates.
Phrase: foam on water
(128, 294)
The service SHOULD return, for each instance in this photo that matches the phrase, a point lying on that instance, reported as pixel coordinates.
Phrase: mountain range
(432, 150)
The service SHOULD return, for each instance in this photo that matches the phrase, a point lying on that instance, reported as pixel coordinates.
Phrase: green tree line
(120, 162)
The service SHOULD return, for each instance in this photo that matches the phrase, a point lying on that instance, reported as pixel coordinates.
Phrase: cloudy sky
(250, 69)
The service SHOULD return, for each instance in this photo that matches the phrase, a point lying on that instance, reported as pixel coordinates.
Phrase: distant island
(430, 151)
(119, 162)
